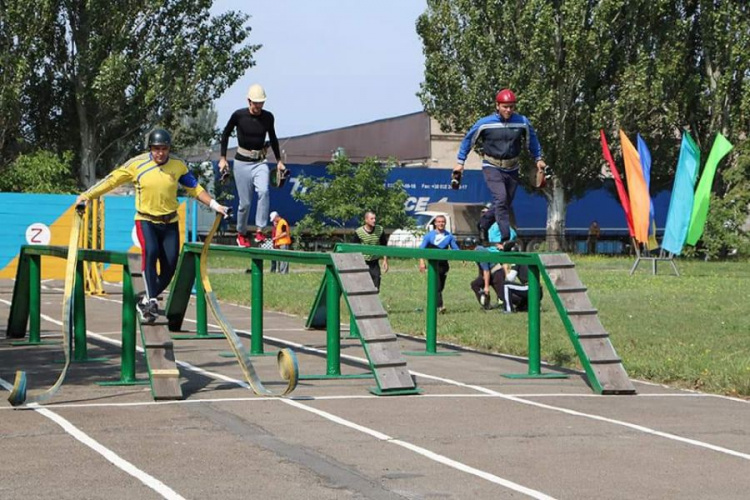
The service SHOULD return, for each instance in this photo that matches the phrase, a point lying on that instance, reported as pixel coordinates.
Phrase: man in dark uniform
(500, 139)
(250, 169)
(371, 234)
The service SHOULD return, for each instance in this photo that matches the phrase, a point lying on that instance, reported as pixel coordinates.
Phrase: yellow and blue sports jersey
(155, 185)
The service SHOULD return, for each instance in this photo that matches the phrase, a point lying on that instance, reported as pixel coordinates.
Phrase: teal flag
(681, 203)
(703, 194)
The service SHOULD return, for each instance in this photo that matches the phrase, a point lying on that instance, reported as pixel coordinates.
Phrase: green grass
(691, 331)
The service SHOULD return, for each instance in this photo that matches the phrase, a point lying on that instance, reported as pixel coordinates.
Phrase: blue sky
(330, 63)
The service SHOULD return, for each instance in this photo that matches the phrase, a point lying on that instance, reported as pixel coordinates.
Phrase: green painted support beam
(19, 308)
(333, 322)
(256, 305)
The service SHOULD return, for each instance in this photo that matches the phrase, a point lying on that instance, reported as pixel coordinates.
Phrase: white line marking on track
(112, 457)
(575, 413)
(342, 397)
(417, 449)
(480, 389)
(421, 451)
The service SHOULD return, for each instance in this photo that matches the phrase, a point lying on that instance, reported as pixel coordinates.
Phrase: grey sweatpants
(249, 176)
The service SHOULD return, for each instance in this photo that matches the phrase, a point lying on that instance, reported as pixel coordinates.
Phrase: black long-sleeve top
(251, 132)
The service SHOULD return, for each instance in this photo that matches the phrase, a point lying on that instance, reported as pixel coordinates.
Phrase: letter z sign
(38, 234)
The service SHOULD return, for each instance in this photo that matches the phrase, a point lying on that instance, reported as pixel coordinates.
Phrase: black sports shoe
(146, 311)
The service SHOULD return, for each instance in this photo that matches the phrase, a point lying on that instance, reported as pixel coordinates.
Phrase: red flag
(621, 192)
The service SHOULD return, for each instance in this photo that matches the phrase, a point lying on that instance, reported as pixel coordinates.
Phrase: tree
(115, 69)
(349, 191)
(582, 65)
(195, 134)
(27, 29)
(39, 172)
(726, 229)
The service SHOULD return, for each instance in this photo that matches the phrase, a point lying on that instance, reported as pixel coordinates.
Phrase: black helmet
(159, 137)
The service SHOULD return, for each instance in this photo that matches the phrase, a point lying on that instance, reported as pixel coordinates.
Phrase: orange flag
(640, 201)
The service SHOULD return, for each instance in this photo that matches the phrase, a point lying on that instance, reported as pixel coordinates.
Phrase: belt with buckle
(509, 164)
(253, 154)
(164, 219)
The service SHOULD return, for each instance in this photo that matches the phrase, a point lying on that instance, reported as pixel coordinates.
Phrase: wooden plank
(587, 324)
(160, 359)
(576, 301)
(582, 312)
(556, 260)
(156, 333)
(356, 283)
(599, 349)
(397, 377)
(166, 372)
(374, 328)
(166, 389)
(613, 379)
(570, 289)
(593, 335)
(565, 278)
(385, 353)
(154, 344)
(366, 306)
(349, 262)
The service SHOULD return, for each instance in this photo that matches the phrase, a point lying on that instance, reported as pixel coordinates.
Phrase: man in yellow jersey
(156, 176)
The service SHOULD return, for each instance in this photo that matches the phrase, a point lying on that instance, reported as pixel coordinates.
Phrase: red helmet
(506, 96)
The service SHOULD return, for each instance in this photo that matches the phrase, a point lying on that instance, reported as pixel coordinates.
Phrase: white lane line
(508, 397)
(436, 457)
(341, 397)
(112, 457)
(528, 402)
(575, 413)
(417, 449)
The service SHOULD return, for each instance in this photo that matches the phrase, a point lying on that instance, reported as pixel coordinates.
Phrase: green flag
(703, 193)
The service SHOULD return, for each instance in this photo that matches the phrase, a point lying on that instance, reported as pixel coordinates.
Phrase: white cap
(273, 215)
(256, 93)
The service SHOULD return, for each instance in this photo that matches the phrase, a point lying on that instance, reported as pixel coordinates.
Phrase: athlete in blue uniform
(500, 139)
(443, 239)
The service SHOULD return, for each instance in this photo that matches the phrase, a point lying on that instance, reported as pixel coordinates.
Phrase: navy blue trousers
(502, 184)
(159, 243)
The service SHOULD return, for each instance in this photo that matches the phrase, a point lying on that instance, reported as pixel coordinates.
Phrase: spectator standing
(442, 239)
(282, 240)
(372, 234)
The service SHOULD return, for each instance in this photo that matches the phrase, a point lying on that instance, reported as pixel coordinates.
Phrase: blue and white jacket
(501, 139)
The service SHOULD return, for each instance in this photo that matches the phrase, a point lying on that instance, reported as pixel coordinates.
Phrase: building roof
(405, 137)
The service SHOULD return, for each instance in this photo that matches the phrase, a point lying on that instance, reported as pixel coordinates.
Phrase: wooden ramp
(379, 341)
(158, 345)
(603, 366)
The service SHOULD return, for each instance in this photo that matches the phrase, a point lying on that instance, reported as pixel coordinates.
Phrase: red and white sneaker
(259, 237)
(242, 241)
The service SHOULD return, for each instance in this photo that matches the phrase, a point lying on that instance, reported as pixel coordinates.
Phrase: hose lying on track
(286, 359)
(18, 395)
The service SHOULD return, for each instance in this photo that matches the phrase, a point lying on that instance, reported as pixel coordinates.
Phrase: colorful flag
(645, 156)
(639, 197)
(681, 203)
(703, 194)
(621, 192)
